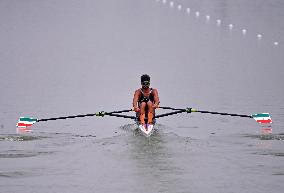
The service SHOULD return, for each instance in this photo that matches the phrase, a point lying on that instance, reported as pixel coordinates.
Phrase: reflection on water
(267, 143)
(191, 62)
(152, 161)
(23, 130)
(266, 130)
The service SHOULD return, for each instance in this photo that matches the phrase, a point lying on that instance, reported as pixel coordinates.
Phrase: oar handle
(122, 111)
(171, 108)
(119, 115)
(188, 110)
(171, 113)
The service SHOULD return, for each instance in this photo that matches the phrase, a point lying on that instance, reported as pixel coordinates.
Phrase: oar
(262, 118)
(29, 121)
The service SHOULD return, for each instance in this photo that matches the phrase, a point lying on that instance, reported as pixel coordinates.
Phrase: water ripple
(273, 153)
(279, 136)
(20, 137)
(22, 153)
(14, 174)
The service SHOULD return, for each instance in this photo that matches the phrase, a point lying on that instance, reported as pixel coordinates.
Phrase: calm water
(67, 57)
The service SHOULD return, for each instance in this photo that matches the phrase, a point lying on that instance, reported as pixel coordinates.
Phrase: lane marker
(208, 18)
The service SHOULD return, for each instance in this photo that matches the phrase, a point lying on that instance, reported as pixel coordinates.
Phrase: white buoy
(171, 3)
(276, 43)
(207, 17)
(259, 36)
(164, 1)
(218, 22)
(179, 7)
(231, 26)
(197, 13)
(244, 31)
(188, 10)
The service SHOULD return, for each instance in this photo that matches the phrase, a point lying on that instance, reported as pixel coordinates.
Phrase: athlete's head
(145, 81)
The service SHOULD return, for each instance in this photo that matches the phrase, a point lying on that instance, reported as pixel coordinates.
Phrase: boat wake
(133, 128)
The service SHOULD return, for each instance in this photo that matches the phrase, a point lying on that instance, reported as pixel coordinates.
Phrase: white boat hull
(146, 129)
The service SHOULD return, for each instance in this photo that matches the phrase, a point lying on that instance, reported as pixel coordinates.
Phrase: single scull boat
(146, 129)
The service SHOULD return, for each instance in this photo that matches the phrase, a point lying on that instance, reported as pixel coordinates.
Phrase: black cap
(145, 77)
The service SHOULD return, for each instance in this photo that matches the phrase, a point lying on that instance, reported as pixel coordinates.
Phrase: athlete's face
(145, 84)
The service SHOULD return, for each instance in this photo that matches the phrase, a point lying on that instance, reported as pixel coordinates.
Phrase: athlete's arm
(156, 98)
(135, 100)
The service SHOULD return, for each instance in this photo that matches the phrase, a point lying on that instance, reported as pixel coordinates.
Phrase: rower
(146, 99)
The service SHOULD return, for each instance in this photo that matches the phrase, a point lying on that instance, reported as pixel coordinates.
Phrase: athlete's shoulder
(138, 91)
(154, 90)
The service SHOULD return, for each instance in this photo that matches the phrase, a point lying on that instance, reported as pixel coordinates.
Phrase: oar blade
(24, 122)
(262, 118)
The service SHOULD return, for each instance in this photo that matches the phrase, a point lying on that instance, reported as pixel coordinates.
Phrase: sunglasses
(145, 83)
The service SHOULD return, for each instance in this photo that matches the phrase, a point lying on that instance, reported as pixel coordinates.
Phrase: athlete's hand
(136, 109)
(155, 106)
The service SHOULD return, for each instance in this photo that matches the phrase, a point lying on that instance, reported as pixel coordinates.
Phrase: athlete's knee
(142, 105)
(149, 103)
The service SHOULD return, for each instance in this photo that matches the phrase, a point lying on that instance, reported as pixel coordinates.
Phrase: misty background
(68, 57)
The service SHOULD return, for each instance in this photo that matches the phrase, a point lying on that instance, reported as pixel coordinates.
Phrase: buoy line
(219, 22)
